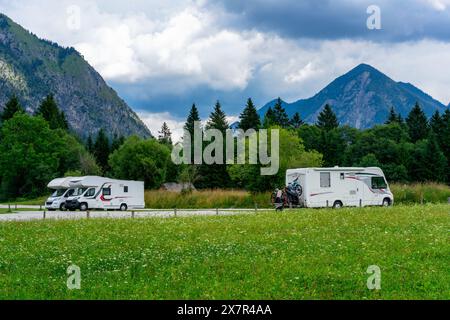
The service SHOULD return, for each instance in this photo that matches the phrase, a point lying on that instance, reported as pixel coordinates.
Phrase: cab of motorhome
(62, 191)
(340, 187)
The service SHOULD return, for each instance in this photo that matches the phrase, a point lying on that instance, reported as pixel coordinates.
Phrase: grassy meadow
(298, 254)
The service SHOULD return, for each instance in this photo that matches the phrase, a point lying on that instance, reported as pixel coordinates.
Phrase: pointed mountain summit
(362, 98)
(32, 68)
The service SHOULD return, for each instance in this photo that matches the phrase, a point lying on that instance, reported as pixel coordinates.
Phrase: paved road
(59, 215)
(5, 206)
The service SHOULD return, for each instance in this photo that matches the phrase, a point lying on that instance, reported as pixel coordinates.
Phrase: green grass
(206, 199)
(421, 193)
(303, 254)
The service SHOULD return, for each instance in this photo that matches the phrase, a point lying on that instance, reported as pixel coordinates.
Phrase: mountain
(362, 98)
(33, 68)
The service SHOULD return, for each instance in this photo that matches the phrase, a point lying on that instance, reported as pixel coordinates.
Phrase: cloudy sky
(161, 56)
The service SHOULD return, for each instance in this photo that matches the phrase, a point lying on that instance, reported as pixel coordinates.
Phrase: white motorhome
(340, 187)
(62, 191)
(106, 194)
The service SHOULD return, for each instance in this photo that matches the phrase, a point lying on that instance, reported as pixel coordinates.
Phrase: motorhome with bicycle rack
(106, 194)
(337, 187)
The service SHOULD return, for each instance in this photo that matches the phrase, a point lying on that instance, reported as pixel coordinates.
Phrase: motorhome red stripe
(317, 194)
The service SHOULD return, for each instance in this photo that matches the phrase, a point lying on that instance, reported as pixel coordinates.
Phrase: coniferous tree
(189, 126)
(393, 116)
(445, 139)
(102, 150)
(11, 108)
(90, 144)
(327, 119)
(429, 162)
(417, 124)
(50, 112)
(437, 124)
(249, 119)
(296, 121)
(269, 118)
(64, 124)
(280, 116)
(215, 175)
(117, 142)
(218, 119)
(165, 135)
(193, 117)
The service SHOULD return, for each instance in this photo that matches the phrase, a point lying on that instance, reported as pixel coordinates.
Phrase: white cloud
(179, 46)
(154, 122)
(300, 75)
(439, 5)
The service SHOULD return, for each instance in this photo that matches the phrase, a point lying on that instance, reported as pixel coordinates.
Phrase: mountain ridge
(362, 98)
(32, 68)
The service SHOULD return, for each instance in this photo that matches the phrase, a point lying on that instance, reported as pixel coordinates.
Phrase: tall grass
(207, 199)
(421, 193)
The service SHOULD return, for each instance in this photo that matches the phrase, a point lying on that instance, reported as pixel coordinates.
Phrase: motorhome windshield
(59, 193)
(90, 192)
(70, 193)
(379, 183)
(80, 191)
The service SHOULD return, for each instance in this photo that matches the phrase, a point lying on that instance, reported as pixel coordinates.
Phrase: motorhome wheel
(337, 205)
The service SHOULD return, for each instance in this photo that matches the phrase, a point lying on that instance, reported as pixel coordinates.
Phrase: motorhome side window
(379, 183)
(90, 192)
(106, 191)
(125, 189)
(325, 180)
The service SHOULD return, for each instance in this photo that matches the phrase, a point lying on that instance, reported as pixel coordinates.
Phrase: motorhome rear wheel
(337, 205)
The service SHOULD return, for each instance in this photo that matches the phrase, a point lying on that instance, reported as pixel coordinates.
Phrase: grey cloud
(402, 20)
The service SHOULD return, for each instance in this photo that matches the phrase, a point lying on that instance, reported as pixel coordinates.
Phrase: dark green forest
(40, 147)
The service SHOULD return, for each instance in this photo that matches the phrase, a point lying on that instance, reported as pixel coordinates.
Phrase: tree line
(38, 148)
(415, 149)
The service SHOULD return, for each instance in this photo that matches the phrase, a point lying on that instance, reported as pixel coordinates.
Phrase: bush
(143, 160)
